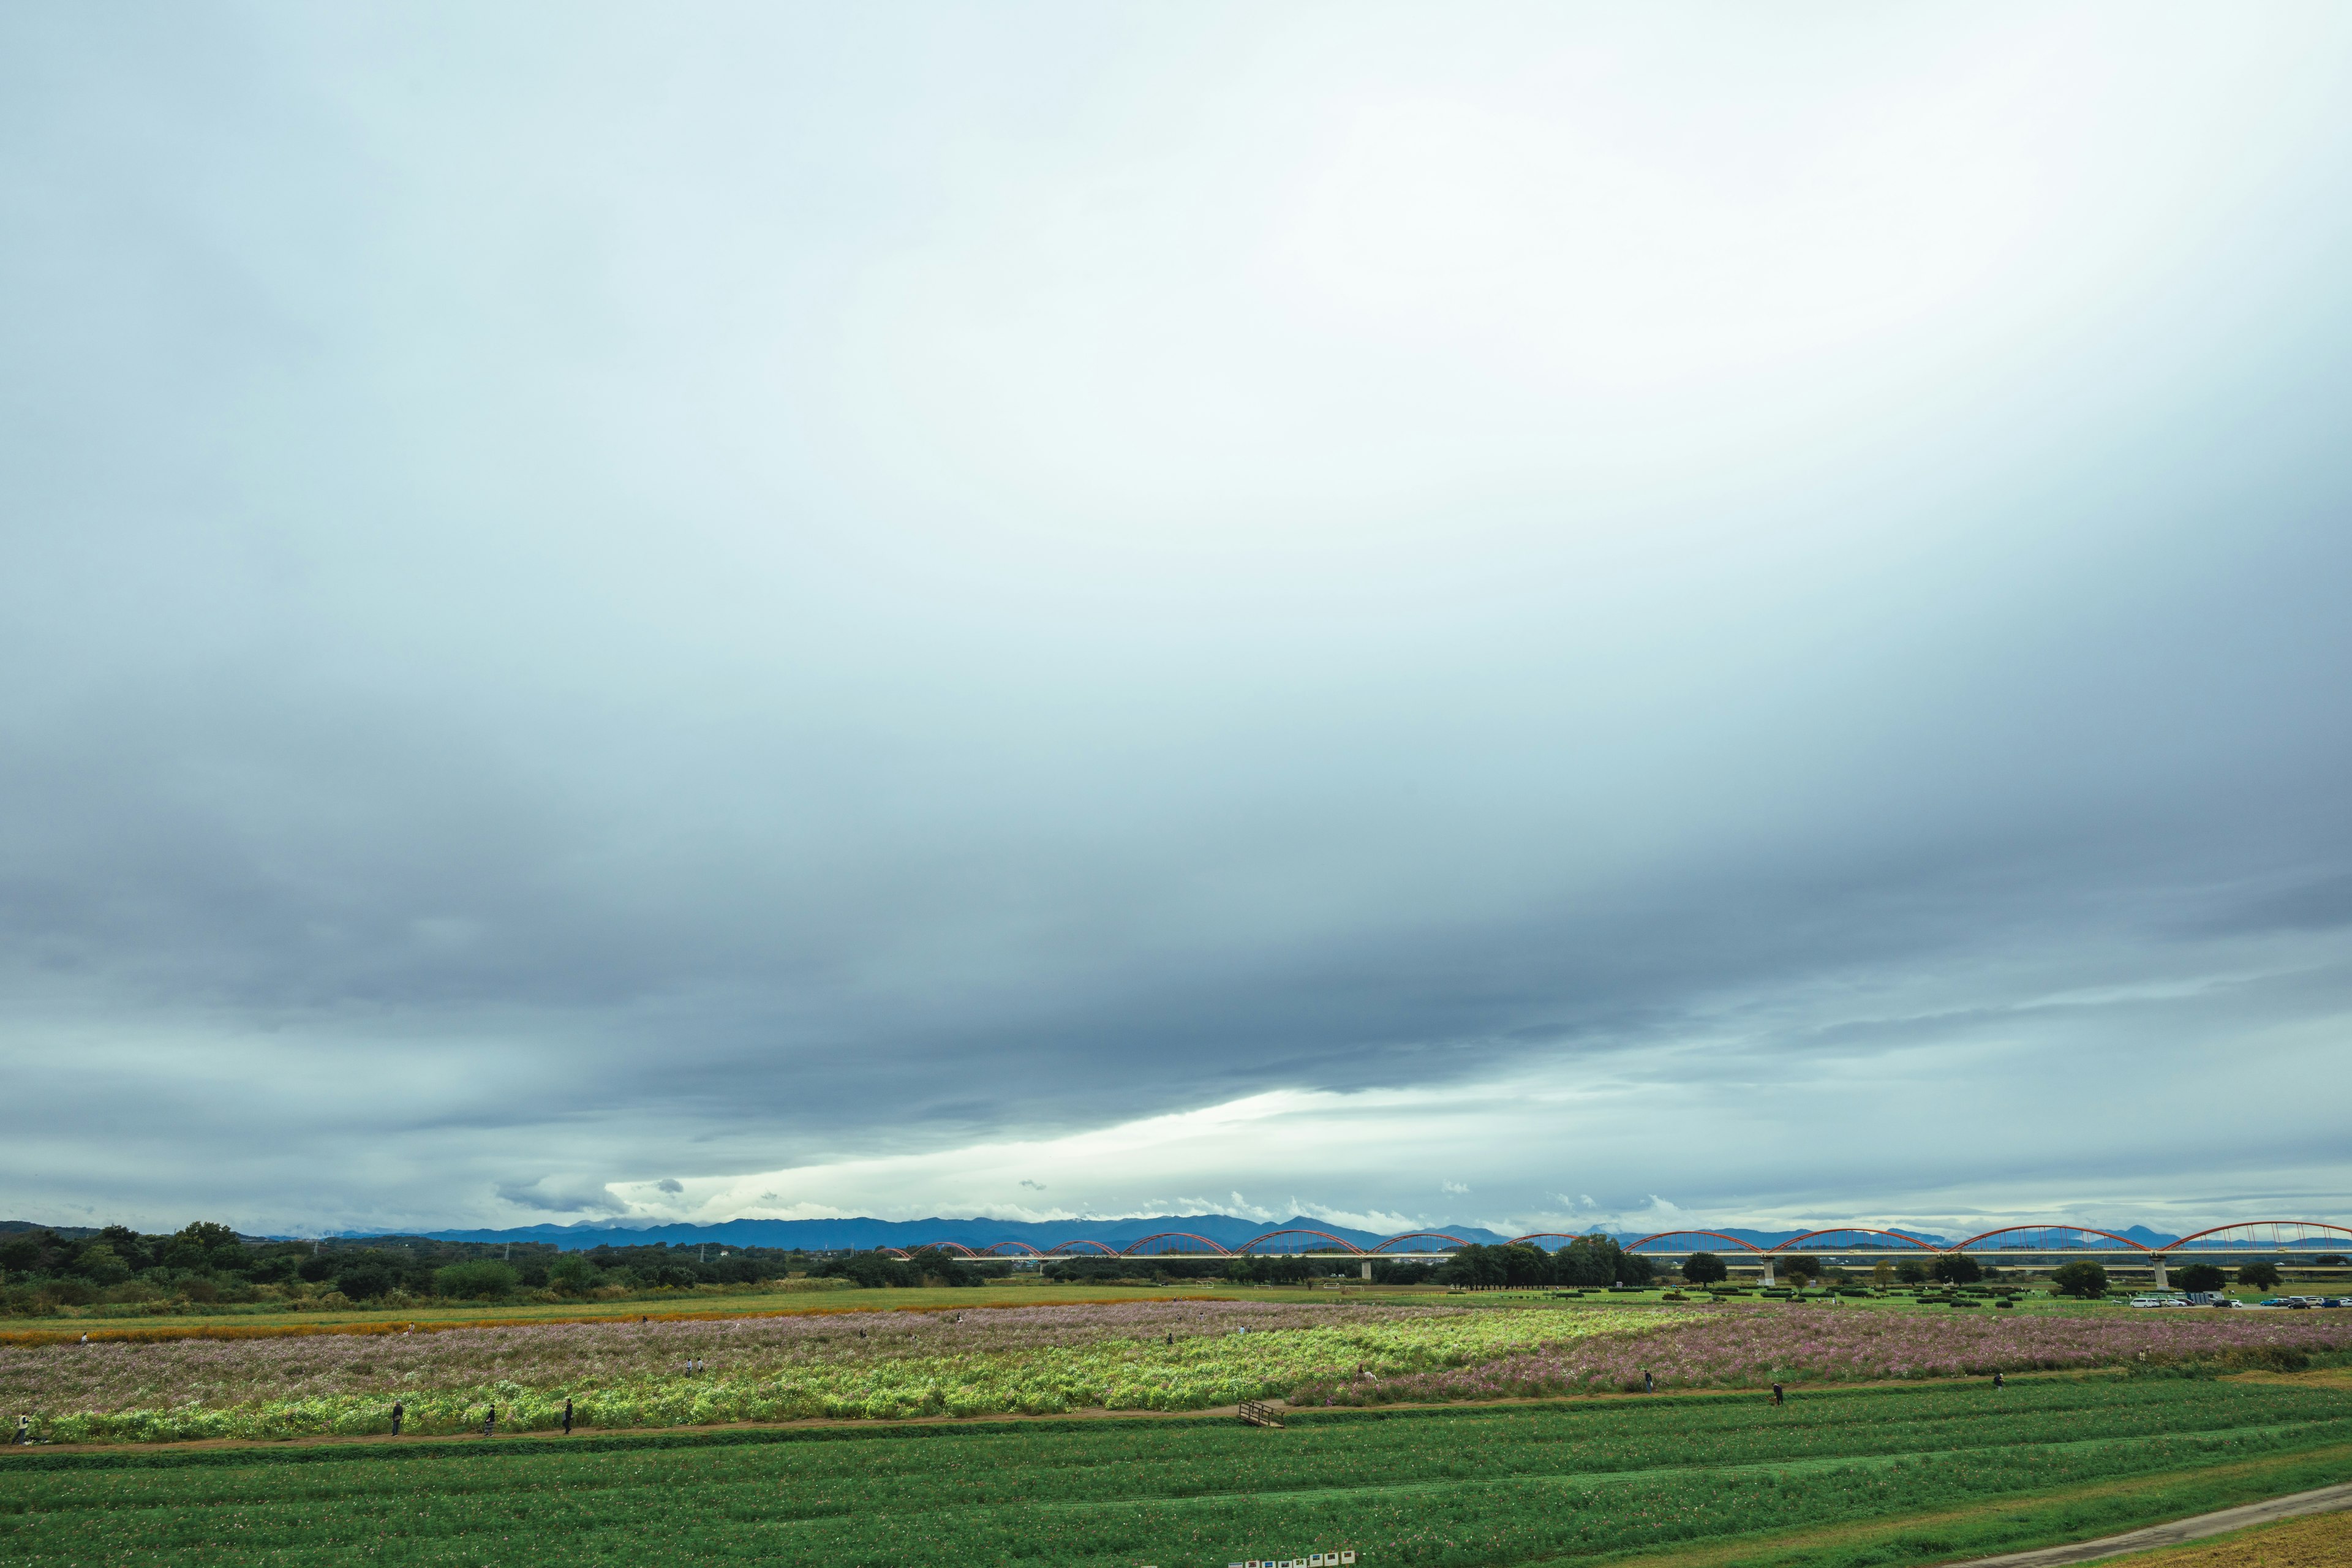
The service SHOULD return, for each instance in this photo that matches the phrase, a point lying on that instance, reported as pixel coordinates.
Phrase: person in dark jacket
(489, 1420)
(398, 1410)
(567, 1419)
(1777, 1397)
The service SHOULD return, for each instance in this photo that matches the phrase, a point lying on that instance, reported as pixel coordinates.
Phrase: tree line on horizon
(208, 1265)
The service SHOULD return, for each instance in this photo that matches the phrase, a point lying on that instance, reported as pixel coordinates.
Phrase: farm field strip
(1444, 1487)
(1631, 1434)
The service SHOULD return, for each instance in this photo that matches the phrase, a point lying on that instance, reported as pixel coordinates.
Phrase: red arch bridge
(2299, 1242)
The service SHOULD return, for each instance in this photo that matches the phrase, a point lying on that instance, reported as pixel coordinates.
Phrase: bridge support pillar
(1768, 1273)
(1368, 1269)
(2162, 1281)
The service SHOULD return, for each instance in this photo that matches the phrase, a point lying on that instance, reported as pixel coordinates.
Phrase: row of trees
(208, 1263)
(2081, 1279)
(1589, 1261)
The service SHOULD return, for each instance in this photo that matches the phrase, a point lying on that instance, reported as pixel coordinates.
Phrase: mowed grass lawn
(1886, 1475)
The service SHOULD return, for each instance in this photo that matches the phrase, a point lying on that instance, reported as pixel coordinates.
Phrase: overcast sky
(1533, 616)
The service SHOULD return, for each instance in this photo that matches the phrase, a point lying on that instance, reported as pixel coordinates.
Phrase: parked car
(2158, 1301)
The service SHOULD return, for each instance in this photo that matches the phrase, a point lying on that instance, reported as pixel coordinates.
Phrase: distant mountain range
(834, 1235)
(838, 1235)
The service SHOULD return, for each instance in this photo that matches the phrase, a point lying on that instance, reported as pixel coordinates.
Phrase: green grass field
(1875, 1476)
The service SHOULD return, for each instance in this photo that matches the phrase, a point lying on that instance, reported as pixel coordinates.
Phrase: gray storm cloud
(651, 600)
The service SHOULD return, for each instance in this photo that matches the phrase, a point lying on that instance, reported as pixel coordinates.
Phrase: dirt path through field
(2319, 1541)
(2325, 1500)
(1865, 1533)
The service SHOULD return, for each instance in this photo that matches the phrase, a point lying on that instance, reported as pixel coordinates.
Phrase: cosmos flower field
(1051, 1360)
(1144, 1355)
(1738, 1348)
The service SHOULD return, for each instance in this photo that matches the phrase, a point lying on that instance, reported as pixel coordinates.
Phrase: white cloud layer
(1522, 615)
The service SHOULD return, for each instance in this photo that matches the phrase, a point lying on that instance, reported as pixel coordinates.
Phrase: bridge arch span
(1710, 1235)
(1135, 1248)
(2047, 1230)
(2307, 1233)
(1297, 1230)
(1381, 1246)
(1069, 1249)
(1850, 1230)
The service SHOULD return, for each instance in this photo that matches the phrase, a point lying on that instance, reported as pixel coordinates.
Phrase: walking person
(1777, 1397)
(24, 1429)
(567, 1419)
(398, 1410)
(1649, 1384)
(489, 1420)
(1997, 1382)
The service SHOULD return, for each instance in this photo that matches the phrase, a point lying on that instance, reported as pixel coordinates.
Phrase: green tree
(2201, 1277)
(873, 1270)
(1597, 1259)
(1801, 1268)
(1705, 1268)
(25, 1252)
(206, 1244)
(945, 1268)
(101, 1264)
(367, 1278)
(1958, 1269)
(483, 1280)
(1525, 1264)
(1911, 1271)
(572, 1275)
(2086, 1281)
(2259, 1276)
(1475, 1265)
(129, 1245)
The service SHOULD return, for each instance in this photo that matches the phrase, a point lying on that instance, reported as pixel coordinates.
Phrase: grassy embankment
(1833, 1480)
